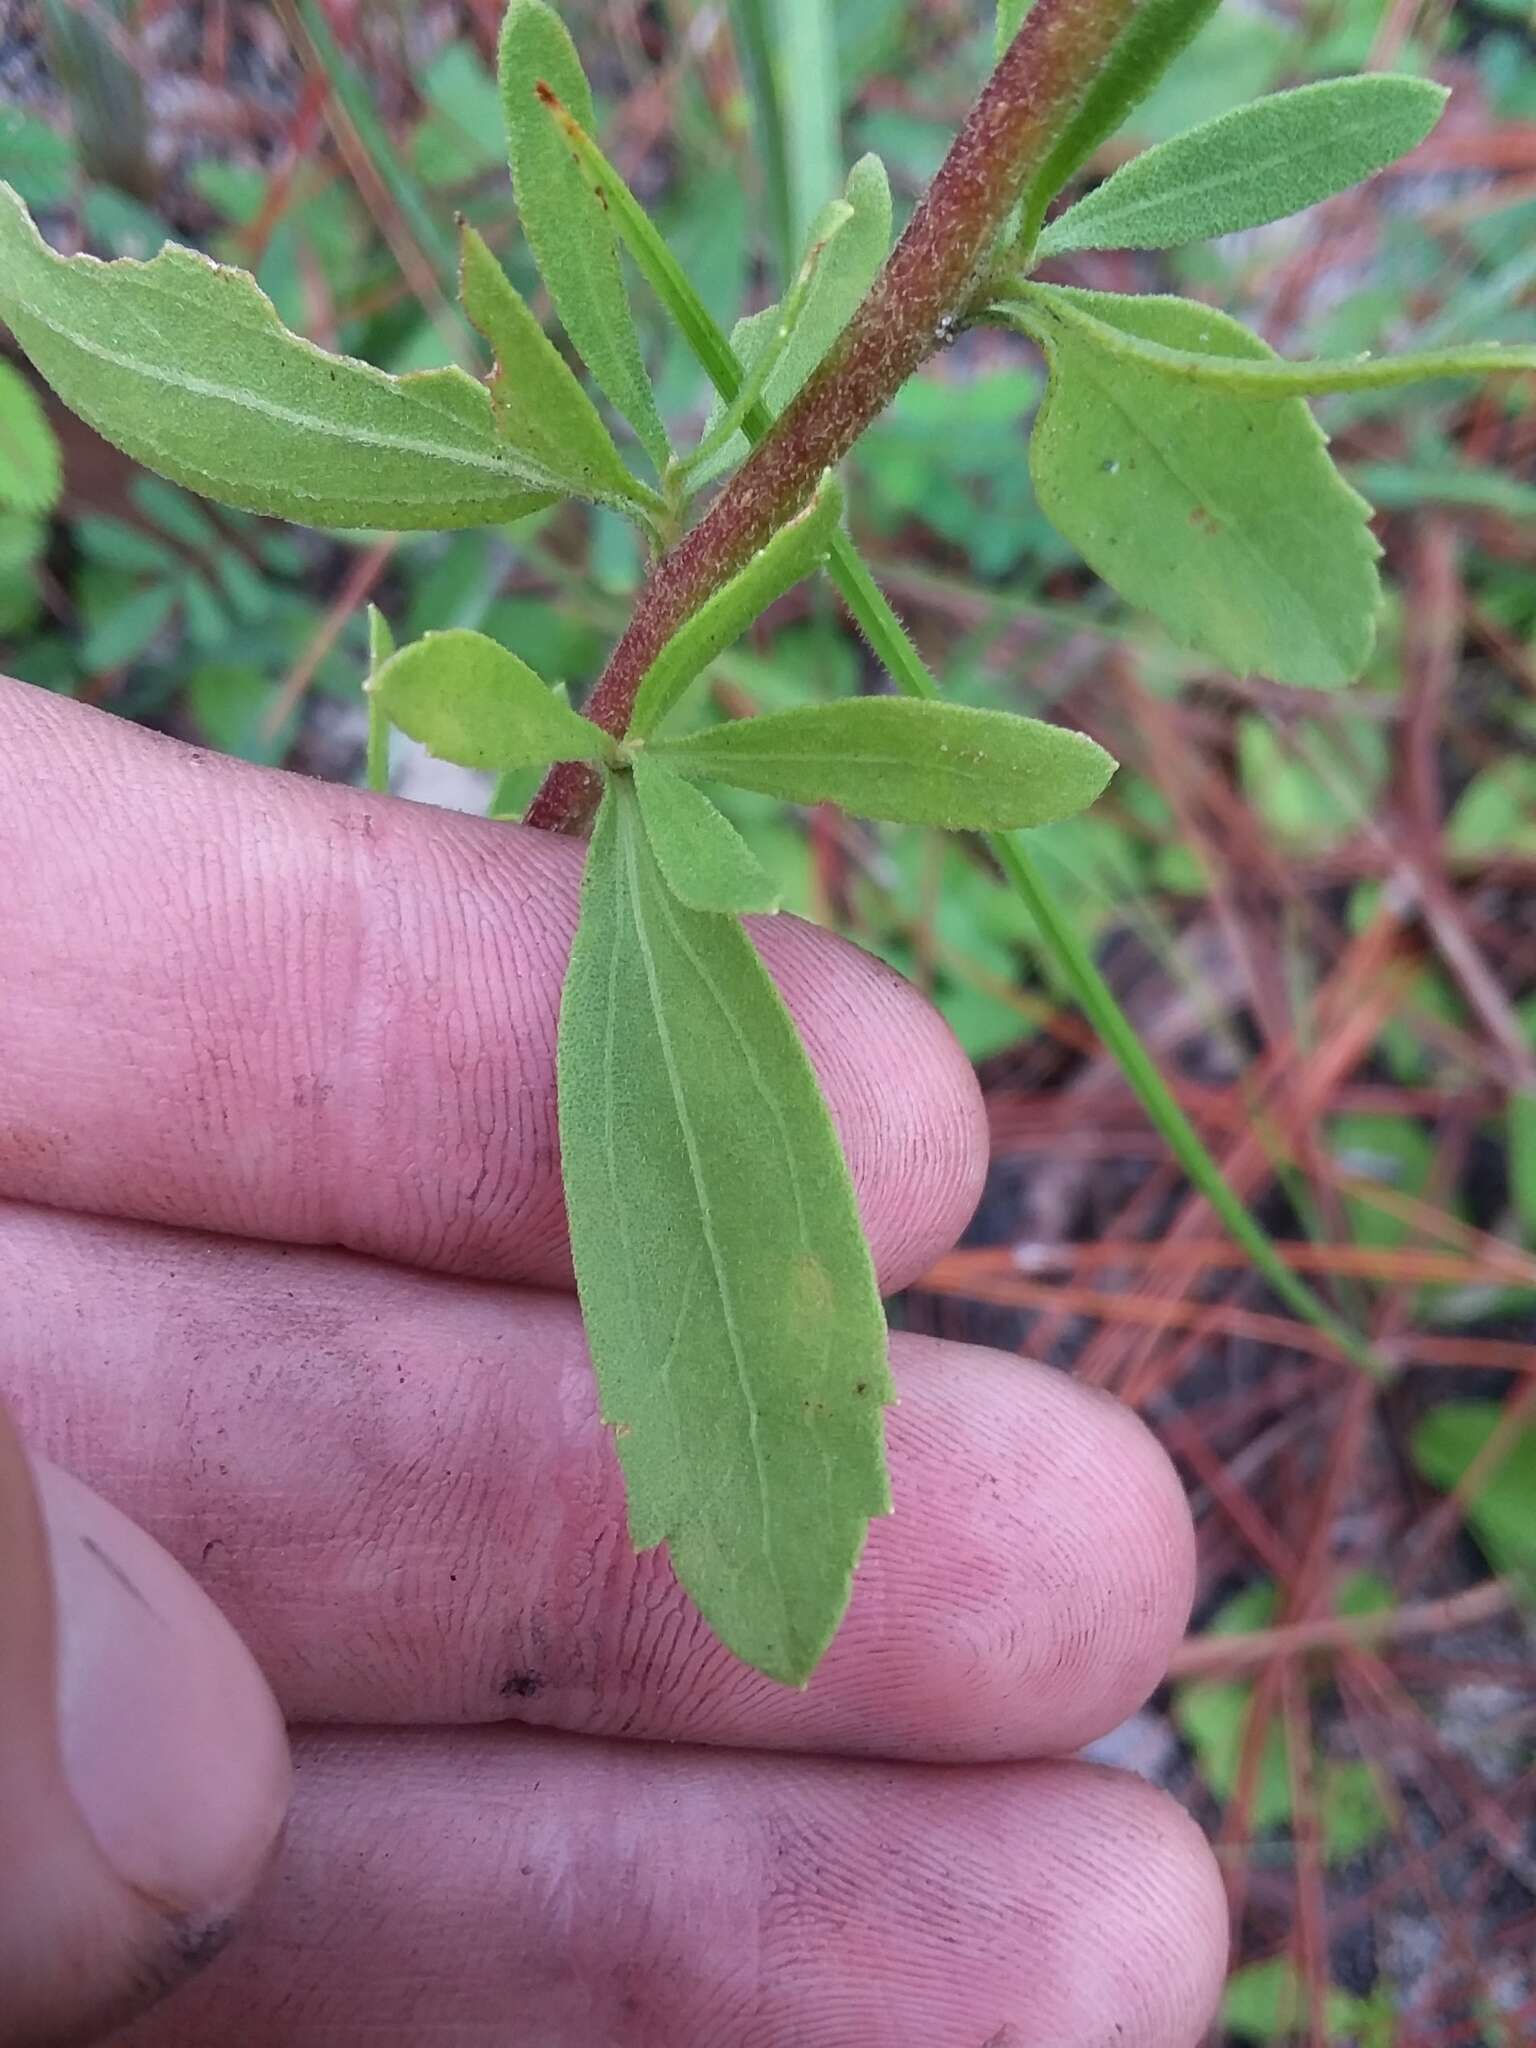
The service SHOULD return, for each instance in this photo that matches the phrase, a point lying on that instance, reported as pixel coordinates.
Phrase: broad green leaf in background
(1156, 34)
(704, 860)
(794, 552)
(30, 472)
(466, 699)
(1221, 515)
(537, 401)
(727, 1289)
(1259, 163)
(566, 223)
(1500, 1513)
(1099, 318)
(897, 758)
(844, 269)
(185, 366)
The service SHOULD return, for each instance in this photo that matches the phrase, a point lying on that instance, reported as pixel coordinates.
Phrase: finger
(247, 1002)
(143, 1771)
(524, 1888)
(398, 1488)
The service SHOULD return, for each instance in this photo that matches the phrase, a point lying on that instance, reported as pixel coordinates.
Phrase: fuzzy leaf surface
(467, 699)
(1222, 514)
(538, 402)
(794, 552)
(1099, 318)
(703, 858)
(913, 762)
(728, 1294)
(184, 365)
(1259, 163)
(566, 223)
(844, 266)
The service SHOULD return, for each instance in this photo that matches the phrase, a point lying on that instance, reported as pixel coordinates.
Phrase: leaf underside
(727, 1289)
(1259, 163)
(703, 858)
(537, 401)
(1221, 514)
(184, 365)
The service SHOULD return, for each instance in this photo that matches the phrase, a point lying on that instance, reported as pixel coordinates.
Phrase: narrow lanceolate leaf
(1220, 514)
(1098, 317)
(724, 425)
(894, 757)
(565, 220)
(794, 551)
(539, 405)
(30, 472)
(1156, 34)
(853, 246)
(1256, 164)
(704, 860)
(185, 365)
(466, 699)
(727, 1289)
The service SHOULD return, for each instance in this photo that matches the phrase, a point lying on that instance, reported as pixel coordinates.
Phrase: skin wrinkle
(604, 1896)
(423, 1503)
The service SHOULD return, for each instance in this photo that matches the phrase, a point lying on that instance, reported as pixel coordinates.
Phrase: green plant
(732, 1309)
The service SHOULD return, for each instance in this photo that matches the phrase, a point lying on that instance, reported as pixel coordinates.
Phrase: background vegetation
(1318, 908)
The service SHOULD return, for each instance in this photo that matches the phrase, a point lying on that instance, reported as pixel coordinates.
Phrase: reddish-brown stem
(925, 287)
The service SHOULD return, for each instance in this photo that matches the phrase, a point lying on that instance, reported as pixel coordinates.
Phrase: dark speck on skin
(522, 1685)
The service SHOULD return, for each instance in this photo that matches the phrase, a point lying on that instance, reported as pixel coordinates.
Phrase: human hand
(322, 1024)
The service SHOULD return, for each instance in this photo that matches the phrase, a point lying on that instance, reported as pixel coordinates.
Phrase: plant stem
(889, 642)
(925, 287)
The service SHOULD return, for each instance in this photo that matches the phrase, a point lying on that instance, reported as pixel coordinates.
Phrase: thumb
(143, 1767)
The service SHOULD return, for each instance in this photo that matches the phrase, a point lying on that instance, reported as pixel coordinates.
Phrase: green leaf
(1522, 1158)
(516, 788)
(1499, 1513)
(184, 365)
(1099, 317)
(1222, 516)
(31, 476)
(1156, 34)
(539, 406)
(896, 758)
(794, 552)
(122, 631)
(725, 423)
(564, 219)
(727, 1289)
(704, 860)
(466, 699)
(852, 247)
(1256, 164)
(381, 645)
